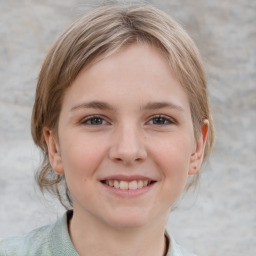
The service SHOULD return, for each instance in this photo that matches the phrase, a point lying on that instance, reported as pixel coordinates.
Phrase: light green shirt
(55, 240)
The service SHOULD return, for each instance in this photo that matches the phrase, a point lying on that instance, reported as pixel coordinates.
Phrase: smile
(128, 185)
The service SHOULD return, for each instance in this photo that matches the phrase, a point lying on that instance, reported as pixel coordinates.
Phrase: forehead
(136, 72)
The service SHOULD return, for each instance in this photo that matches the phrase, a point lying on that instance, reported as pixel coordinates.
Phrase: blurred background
(219, 218)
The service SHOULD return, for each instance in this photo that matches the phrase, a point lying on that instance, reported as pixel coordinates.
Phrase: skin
(125, 115)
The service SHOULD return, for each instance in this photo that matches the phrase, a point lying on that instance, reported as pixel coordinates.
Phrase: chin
(128, 223)
(129, 219)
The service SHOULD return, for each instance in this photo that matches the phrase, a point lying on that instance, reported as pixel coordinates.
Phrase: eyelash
(91, 118)
(164, 118)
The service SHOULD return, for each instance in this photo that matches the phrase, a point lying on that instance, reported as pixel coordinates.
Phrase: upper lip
(127, 177)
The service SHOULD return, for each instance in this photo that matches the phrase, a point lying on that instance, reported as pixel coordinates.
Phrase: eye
(161, 120)
(94, 120)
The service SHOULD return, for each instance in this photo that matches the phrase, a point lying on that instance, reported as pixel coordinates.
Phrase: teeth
(140, 184)
(116, 183)
(127, 185)
(124, 185)
(133, 184)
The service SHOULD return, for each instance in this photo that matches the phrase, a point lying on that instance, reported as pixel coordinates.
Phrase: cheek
(174, 151)
(81, 156)
(80, 162)
(173, 158)
(175, 165)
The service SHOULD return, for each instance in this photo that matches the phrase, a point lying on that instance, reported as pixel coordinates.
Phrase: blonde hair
(95, 36)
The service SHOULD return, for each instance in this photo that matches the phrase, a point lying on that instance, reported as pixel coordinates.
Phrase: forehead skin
(148, 66)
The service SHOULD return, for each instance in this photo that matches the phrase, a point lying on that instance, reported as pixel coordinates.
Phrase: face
(125, 139)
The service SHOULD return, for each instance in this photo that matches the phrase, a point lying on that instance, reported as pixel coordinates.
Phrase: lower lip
(129, 192)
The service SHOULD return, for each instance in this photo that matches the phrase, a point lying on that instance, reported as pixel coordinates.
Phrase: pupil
(159, 120)
(96, 120)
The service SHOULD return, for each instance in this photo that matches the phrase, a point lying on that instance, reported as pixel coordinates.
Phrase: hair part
(96, 36)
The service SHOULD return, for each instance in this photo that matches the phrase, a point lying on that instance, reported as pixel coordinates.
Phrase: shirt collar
(60, 240)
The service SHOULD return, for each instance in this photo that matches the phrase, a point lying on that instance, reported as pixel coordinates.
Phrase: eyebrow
(93, 104)
(105, 106)
(159, 105)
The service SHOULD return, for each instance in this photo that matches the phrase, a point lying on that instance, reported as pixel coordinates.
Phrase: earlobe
(198, 156)
(53, 151)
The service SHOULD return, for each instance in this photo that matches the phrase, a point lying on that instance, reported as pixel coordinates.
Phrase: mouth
(128, 185)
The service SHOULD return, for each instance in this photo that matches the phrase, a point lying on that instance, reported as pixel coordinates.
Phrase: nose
(128, 146)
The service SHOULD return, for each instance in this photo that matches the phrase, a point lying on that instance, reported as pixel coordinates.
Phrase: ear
(53, 151)
(197, 157)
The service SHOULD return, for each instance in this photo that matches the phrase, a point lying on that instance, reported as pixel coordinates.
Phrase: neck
(91, 237)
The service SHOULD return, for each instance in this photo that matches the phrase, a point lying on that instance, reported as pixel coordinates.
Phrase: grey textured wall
(220, 218)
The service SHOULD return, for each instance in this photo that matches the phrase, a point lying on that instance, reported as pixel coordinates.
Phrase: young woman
(122, 117)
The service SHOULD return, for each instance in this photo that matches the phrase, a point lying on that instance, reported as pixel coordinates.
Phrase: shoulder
(48, 240)
(175, 249)
(36, 242)
(184, 252)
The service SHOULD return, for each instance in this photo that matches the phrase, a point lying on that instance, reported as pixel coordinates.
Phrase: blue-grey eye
(94, 121)
(161, 120)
